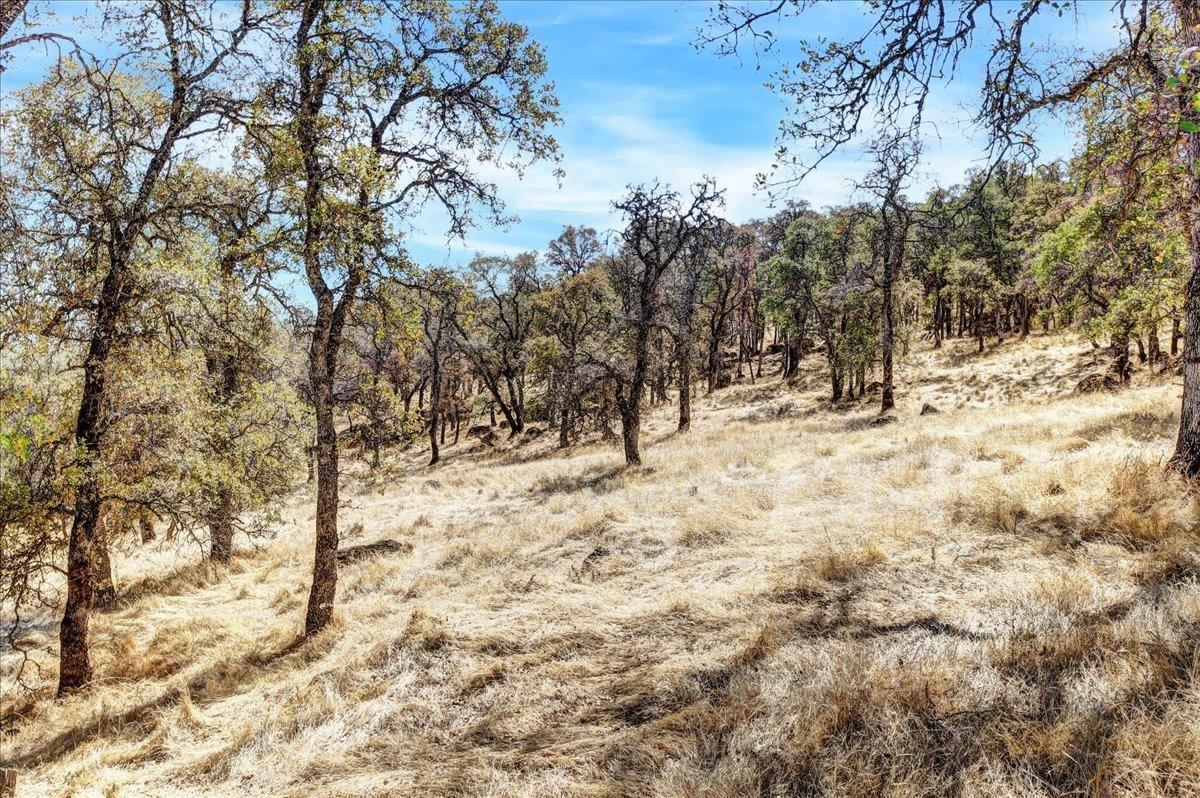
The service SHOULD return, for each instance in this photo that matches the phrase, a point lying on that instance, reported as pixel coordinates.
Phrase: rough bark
(685, 392)
(937, 319)
(435, 401)
(323, 346)
(75, 670)
(630, 431)
(324, 580)
(1186, 458)
(887, 341)
(220, 527)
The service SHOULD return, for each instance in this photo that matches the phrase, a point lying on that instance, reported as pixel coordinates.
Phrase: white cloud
(653, 40)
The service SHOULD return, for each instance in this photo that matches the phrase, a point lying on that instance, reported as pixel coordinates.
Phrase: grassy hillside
(999, 599)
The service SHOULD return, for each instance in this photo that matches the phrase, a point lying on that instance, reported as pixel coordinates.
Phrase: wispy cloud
(654, 40)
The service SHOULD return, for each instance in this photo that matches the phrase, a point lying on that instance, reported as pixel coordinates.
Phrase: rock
(928, 409)
(1095, 383)
(484, 433)
(886, 418)
(385, 546)
(596, 554)
(433, 483)
(533, 432)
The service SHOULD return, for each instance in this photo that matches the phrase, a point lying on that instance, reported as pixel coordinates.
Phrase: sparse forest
(893, 494)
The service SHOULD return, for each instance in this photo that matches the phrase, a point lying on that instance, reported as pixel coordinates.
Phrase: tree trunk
(106, 585)
(979, 324)
(685, 392)
(937, 319)
(516, 412)
(564, 412)
(435, 401)
(146, 527)
(1187, 446)
(1120, 350)
(888, 344)
(74, 668)
(564, 427)
(220, 528)
(714, 359)
(324, 582)
(1186, 458)
(630, 432)
(223, 371)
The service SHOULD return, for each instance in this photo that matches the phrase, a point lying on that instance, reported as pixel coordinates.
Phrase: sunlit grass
(999, 599)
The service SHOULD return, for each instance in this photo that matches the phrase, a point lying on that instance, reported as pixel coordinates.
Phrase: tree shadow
(221, 680)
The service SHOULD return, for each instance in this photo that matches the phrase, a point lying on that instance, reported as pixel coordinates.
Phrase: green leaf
(1174, 82)
(1188, 126)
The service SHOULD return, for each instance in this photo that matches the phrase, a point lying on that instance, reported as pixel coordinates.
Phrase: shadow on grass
(218, 681)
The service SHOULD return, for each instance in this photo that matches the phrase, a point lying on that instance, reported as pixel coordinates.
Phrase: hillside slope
(999, 599)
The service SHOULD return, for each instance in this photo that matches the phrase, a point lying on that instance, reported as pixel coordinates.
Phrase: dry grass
(997, 600)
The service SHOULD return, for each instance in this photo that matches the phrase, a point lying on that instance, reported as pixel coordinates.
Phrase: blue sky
(638, 102)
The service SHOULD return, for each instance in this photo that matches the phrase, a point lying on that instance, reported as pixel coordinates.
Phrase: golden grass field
(1000, 599)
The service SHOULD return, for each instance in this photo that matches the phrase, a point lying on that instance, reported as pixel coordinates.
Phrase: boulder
(1096, 383)
(484, 433)
(366, 550)
(928, 409)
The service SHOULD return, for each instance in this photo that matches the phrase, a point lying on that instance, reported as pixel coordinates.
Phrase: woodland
(894, 496)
